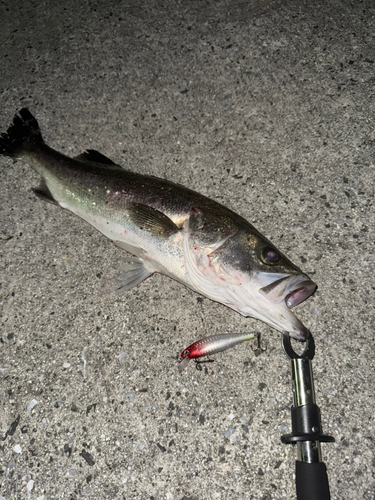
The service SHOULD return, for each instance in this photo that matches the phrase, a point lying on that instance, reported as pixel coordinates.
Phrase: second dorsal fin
(95, 156)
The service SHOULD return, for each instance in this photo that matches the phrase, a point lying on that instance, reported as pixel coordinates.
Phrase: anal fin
(132, 273)
(44, 193)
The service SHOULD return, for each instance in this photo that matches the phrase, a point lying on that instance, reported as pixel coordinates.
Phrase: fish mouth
(292, 289)
(305, 289)
(283, 292)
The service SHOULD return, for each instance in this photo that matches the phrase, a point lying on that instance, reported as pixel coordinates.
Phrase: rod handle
(312, 481)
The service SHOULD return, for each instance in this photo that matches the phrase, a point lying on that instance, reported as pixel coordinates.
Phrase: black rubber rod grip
(312, 481)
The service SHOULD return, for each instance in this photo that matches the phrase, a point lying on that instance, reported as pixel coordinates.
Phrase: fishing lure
(212, 345)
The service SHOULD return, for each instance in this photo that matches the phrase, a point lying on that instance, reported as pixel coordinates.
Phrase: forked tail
(24, 129)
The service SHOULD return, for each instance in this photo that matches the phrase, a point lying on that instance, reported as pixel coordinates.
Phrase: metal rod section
(309, 451)
(303, 384)
(304, 394)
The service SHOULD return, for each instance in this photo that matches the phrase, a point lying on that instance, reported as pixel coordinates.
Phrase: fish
(168, 229)
(212, 345)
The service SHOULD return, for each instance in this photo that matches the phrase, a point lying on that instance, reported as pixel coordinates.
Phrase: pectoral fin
(151, 220)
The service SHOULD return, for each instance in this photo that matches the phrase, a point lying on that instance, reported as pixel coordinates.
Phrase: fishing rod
(311, 472)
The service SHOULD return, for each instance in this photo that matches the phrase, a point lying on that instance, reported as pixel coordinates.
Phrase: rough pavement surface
(270, 112)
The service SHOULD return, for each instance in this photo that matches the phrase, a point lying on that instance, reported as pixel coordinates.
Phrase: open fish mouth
(305, 289)
(292, 289)
(281, 293)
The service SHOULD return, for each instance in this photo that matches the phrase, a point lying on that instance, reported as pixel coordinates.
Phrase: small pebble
(31, 404)
(121, 356)
(228, 433)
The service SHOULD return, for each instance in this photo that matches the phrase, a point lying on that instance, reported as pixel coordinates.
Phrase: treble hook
(258, 348)
(198, 364)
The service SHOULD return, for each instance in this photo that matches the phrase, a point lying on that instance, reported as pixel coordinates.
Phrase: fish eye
(186, 352)
(270, 256)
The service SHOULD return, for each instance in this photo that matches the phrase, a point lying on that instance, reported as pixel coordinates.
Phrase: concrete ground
(268, 111)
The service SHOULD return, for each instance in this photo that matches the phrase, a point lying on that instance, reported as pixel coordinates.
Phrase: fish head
(273, 284)
(246, 272)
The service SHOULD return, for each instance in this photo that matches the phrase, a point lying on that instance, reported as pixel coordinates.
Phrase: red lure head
(195, 350)
(186, 353)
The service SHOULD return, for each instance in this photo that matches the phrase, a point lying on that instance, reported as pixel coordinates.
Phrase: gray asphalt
(270, 112)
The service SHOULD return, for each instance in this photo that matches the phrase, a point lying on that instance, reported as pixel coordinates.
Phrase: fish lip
(302, 335)
(304, 290)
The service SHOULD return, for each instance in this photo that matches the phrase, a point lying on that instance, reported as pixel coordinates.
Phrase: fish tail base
(24, 129)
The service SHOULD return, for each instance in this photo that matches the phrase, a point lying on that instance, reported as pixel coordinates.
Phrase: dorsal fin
(94, 156)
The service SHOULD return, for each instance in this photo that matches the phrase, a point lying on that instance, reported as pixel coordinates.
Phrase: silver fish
(169, 229)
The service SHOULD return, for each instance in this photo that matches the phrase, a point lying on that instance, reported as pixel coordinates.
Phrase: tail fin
(24, 128)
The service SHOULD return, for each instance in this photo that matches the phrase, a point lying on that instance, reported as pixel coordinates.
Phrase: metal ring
(308, 353)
